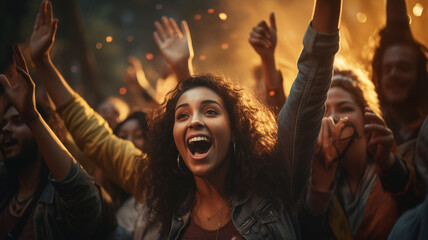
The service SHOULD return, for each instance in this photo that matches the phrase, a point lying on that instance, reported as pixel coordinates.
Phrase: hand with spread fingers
(380, 140)
(20, 88)
(44, 31)
(175, 44)
(263, 38)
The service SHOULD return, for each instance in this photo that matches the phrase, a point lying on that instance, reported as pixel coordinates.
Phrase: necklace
(18, 206)
(218, 210)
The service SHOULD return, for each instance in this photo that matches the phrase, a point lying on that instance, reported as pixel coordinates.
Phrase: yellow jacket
(118, 158)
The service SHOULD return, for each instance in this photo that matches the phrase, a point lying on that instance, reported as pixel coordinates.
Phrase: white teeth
(195, 139)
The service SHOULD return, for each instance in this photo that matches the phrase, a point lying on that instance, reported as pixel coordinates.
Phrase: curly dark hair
(253, 168)
(400, 35)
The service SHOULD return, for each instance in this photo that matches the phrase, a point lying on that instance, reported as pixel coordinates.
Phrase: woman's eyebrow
(181, 105)
(210, 101)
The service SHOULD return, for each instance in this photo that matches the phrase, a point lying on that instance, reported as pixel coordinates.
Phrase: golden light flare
(210, 11)
(99, 45)
(410, 18)
(109, 39)
(222, 16)
(361, 17)
(224, 46)
(202, 57)
(418, 9)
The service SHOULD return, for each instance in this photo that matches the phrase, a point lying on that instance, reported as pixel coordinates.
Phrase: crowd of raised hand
(339, 157)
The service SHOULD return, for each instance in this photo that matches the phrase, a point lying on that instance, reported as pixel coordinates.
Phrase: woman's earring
(234, 148)
(179, 166)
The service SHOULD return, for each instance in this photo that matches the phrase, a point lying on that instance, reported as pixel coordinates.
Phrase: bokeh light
(149, 56)
(109, 39)
(418, 9)
(362, 17)
(122, 91)
(222, 16)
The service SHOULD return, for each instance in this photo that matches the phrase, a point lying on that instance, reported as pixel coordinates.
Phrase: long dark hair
(253, 169)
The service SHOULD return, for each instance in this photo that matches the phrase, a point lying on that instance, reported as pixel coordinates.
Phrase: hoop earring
(179, 166)
(234, 148)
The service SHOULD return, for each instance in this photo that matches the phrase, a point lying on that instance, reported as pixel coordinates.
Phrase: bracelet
(32, 119)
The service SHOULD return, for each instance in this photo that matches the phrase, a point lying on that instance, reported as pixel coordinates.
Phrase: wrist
(42, 61)
(386, 166)
(268, 59)
(322, 183)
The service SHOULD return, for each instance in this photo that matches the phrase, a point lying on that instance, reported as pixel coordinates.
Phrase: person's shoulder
(408, 225)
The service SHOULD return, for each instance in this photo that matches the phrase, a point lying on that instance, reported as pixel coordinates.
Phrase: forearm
(396, 11)
(271, 75)
(326, 16)
(56, 156)
(117, 157)
(299, 121)
(183, 70)
(55, 84)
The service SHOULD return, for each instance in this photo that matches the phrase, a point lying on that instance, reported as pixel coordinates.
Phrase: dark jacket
(73, 208)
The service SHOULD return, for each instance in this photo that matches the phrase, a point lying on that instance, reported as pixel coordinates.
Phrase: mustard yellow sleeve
(117, 157)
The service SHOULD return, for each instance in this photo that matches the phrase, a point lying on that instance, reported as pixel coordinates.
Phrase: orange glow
(149, 56)
(109, 39)
(202, 57)
(130, 38)
(362, 17)
(210, 11)
(73, 69)
(99, 45)
(224, 46)
(222, 16)
(122, 91)
(198, 17)
(418, 9)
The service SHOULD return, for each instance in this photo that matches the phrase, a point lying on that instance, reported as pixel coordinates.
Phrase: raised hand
(263, 38)
(136, 79)
(20, 89)
(380, 140)
(43, 35)
(175, 44)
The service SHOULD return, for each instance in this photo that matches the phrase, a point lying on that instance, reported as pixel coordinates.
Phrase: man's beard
(25, 158)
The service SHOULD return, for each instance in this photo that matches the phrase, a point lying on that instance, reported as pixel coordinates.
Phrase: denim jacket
(298, 125)
(73, 208)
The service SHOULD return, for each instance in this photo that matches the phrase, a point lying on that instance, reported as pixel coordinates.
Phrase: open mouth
(199, 145)
(7, 142)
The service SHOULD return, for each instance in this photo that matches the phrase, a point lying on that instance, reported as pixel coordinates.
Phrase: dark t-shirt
(227, 232)
(8, 221)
